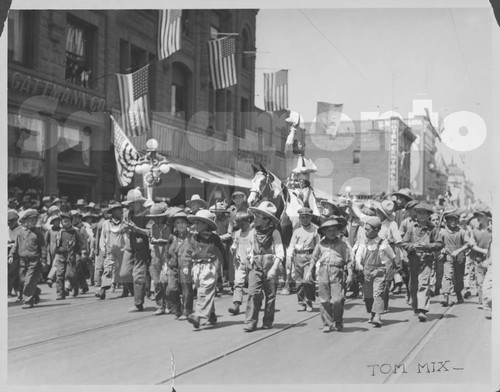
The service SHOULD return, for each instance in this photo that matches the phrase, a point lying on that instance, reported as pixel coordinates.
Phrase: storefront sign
(393, 156)
(252, 155)
(38, 87)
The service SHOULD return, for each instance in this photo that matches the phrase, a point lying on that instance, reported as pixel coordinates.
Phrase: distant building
(459, 187)
(368, 157)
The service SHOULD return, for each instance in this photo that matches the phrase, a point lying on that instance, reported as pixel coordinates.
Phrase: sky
(382, 59)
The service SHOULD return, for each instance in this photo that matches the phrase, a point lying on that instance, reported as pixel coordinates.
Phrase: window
(73, 146)
(186, 23)
(356, 156)
(246, 61)
(79, 59)
(20, 36)
(245, 115)
(180, 91)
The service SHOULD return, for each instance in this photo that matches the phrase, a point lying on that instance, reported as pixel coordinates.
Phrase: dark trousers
(186, 283)
(260, 288)
(14, 281)
(60, 264)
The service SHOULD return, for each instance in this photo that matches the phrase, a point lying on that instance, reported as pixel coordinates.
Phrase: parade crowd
(183, 256)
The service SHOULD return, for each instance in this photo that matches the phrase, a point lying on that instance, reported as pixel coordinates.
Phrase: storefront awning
(208, 173)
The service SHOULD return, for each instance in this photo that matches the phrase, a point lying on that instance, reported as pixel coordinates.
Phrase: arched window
(181, 80)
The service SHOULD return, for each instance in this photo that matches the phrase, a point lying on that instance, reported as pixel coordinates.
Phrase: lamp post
(152, 167)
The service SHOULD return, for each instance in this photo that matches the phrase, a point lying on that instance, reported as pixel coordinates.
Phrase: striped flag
(276, 90)
(169, 33)
(328, 118)
(134, 101)
(222, 63)
(126, 155)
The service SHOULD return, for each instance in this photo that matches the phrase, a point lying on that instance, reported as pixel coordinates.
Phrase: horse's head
(265, 186)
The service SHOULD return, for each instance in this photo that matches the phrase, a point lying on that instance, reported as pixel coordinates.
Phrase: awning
(209, 173)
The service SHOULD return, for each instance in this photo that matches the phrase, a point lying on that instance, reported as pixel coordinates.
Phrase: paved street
(98, 342)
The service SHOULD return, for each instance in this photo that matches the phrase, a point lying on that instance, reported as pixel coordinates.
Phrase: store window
(20, 36)
(73, 146)
(26, 136)
(79, 50)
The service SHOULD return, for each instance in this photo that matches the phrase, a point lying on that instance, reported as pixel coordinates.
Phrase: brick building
(62, 90)
(368, 157)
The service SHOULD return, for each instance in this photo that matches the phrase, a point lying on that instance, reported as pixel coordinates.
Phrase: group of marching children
(184, 253)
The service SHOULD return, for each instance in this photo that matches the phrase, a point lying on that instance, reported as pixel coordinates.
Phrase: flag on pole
(169, 32)
(134, 101)
(222, 64)
(126, 155)
(276, 90)
(328, 118)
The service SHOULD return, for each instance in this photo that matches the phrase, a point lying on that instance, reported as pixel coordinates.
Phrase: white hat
(204, 216)
(295, 118)
(196, 198)
(133, 195)
(268, 209)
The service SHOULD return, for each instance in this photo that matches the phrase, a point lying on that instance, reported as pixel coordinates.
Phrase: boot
(235, 309)
(446, 300)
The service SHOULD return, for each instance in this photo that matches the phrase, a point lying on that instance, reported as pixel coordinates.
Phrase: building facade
(63, 89)
(365, 158)
(460, 188)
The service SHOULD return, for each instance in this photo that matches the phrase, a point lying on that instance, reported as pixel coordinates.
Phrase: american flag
(126, 155)
(169, 32)
(222, 63)
(276, 90)
(134, 101)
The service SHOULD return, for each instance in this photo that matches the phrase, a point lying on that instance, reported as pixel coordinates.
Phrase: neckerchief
(264, 236)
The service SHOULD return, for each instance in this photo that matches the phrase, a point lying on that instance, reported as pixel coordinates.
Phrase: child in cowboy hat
(13, 281)
(222, 220)
(304, 240)
(266, 256)
(207, 254)
(330, 258)
(196, 203)
(241, 249)
(421, 242)
(165, 273)
(178, 254)
(29, 248)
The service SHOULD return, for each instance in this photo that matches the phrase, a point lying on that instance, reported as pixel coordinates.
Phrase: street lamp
(152, 167)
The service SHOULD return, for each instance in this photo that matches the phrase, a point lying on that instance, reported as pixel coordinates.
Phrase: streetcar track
(419, 346)
(240, 347)
(83, 332)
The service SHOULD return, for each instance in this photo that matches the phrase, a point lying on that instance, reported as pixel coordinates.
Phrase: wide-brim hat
(81, 202)
(332, 203)
(331, 222)
(53, 218)
(113, 206)
(12, 214)
(305, 211)
(452, 213)
(56, 200)
(411, 204)
(178, 214)
(133, 195)
(65, 215)
(482, 209)
(76, 213)
(91, 215)
(204, 216)
(266, 208)
(196, 198)
(404, 192)
(29, 213)
(386, 207)
(158, 209)
(46, 199)
(424, 207)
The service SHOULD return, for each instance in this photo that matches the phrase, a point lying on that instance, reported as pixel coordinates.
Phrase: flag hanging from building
(222, 63)
(169, 32)
(276, 90)
(134, 101)
(328, 118)
(126, 155)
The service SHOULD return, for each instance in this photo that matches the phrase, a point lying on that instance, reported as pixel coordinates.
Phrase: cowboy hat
(294, 118)
(53, 218)
(374, 222)
(204, 216)
(331, 203)
(334, 221)
(158, 209)
(81, 202)
(411, 204)
(482, 209)
(178, 214)
(56, 200)
(12, 214)
(386, 207)
(133, 195)
(266, 208)
(113, 206)
(87, 215)
(196, 198)
(75, 213)
(404, 192)
(238, 193)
